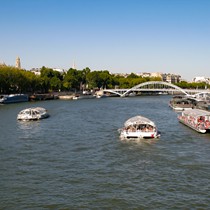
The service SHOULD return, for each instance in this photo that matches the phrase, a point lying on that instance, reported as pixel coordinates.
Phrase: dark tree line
(13, 80)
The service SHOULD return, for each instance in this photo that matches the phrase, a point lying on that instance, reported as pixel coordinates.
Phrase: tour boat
(139, 127)
(181, 103)
(196, 119)
(35, 113)
(14, 98)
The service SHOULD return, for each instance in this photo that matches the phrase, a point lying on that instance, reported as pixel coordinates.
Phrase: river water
(75, 160)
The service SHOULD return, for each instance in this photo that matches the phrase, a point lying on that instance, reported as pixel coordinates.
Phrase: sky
(121, 36)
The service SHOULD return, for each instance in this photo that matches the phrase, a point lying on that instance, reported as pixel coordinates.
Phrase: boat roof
(138, 120)
(34, 108)
(196, 112)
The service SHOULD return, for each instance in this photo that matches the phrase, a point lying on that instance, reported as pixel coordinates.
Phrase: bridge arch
(154, 83)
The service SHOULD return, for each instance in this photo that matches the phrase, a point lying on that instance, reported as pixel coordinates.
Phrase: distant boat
(139, 127)
(84, 95)
(181, 103)
(14, 98)
(35, 113)
(196, 119)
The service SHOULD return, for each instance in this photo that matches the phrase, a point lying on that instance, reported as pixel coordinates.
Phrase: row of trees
(13, 80)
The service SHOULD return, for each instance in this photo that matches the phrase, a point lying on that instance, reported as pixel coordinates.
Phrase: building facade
(171, 78)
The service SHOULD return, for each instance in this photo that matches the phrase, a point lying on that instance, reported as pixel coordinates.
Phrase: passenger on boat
(131, 129)
(207, 124)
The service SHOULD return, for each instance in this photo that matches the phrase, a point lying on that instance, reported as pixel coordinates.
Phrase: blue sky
(121, 36)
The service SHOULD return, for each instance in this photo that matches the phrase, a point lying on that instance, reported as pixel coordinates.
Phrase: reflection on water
(142, 142)
(28, 129)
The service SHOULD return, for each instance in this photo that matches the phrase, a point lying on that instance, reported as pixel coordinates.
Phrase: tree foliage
(13, 80)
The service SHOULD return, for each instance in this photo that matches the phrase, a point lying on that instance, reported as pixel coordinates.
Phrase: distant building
(36, 71)
(171, 78)
(59, 70)
(17, 64)
(144, 74)
(201, 79)
(120, 74)
(148, 74)
(156, 74)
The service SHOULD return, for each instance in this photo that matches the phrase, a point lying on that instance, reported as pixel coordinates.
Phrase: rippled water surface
(75, 160)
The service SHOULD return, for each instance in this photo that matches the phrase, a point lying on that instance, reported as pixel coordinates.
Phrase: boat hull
(192, 126)
(179, 108)
(31, 118)
(83, 97)
(138, 135)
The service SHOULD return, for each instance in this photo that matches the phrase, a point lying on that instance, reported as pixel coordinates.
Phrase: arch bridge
(152, 86)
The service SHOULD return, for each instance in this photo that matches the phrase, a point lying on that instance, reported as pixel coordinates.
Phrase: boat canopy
(138, 120)
(196, 113)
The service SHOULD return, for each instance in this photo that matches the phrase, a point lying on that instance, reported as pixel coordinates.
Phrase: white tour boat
(35, 113)
(196, 119)
(139, 127)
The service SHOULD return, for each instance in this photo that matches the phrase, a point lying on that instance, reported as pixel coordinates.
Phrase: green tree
(55, 84)
(51, 80)
(105, 79)
(132, 76)
(93, 80)
(72, 79)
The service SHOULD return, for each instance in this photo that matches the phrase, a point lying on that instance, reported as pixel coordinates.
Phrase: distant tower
(17, 64)
(73, 66)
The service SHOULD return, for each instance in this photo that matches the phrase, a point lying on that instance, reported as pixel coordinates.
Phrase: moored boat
(196, 119)
(139, 127)
(83, 96)
(181, 103)
(14, 98)
(34, 113)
